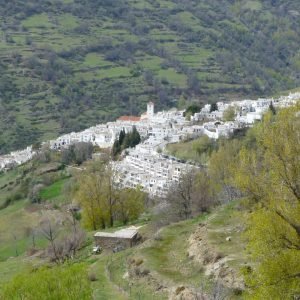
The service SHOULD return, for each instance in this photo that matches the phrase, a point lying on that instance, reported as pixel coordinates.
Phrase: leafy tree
(229, 114)
(103, 202)
(193, 108)
(130, 204)
(77, 153)
(67, 156)
(34, 193)
(274, 245)
(204, 146)
(213, 107)
(221, 168)
(83, 152)
(91, 198)
(269, 175)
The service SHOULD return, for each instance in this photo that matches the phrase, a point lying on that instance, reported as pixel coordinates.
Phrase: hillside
(69, 64)
(227, 230)
(179, 261)
(169, 263)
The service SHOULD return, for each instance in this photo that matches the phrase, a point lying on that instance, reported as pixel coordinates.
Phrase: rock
(126, 275)
(187, 293)
(179, 290)
(160, 287)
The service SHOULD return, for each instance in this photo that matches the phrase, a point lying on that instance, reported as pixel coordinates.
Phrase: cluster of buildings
(146, 165)
(246, 113)
(104, 135)
(172, 126)
(15, 158)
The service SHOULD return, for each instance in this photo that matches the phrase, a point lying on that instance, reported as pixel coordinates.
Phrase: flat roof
(127, 233)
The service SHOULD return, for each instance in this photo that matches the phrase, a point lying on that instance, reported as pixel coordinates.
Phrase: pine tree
(116, 149)
(127, 141)
(135, 137)
(272, 108)
(213, 107)
(122, 136)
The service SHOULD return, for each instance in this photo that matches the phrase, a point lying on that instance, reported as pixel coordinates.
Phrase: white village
(146, 165)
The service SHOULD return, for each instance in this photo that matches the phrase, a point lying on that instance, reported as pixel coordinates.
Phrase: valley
(68, 65)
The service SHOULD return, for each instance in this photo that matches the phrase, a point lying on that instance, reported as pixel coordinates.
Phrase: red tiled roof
(129, 118)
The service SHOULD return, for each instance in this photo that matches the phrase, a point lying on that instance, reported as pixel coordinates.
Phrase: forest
(66, 65)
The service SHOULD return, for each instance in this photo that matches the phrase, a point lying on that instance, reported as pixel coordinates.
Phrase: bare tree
(76, 238)
(204, 193)
(31, 232)
(193, 194)
(72, 243)
(15, 244)
(181, 196)
(49, 230)
(65, 246)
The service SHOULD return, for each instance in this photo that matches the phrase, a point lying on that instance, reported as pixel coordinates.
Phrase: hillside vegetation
(69, 64)
(229, 230)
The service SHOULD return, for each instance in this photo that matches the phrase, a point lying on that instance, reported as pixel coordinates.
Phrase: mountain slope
(69, 64)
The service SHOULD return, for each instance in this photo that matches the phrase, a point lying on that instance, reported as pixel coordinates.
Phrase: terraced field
(67, 65)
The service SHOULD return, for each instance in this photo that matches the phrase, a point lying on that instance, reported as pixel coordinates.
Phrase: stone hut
(124, 238)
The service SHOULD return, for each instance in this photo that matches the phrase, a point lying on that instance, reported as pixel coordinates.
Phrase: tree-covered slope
(68, 64)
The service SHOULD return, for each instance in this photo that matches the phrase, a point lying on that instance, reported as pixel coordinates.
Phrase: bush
(77, 153)
(11, 199)
(34, 193)
(59, 282)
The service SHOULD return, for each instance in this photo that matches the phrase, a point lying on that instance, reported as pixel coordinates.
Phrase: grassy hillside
(216, 250)
(27, 195)
(66, 65)
(154, 269)
(165, 265)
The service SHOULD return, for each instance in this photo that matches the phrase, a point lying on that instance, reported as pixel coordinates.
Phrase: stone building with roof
(124, 238)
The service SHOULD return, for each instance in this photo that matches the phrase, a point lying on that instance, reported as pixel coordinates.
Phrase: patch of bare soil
(187, 293)
(215, 263)
(137, 271)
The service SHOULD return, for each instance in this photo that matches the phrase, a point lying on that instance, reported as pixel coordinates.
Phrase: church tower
(150, 110)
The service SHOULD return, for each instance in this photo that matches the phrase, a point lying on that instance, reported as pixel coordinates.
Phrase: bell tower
(150, 110)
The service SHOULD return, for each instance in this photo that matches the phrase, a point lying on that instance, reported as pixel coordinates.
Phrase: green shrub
(50, 283)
